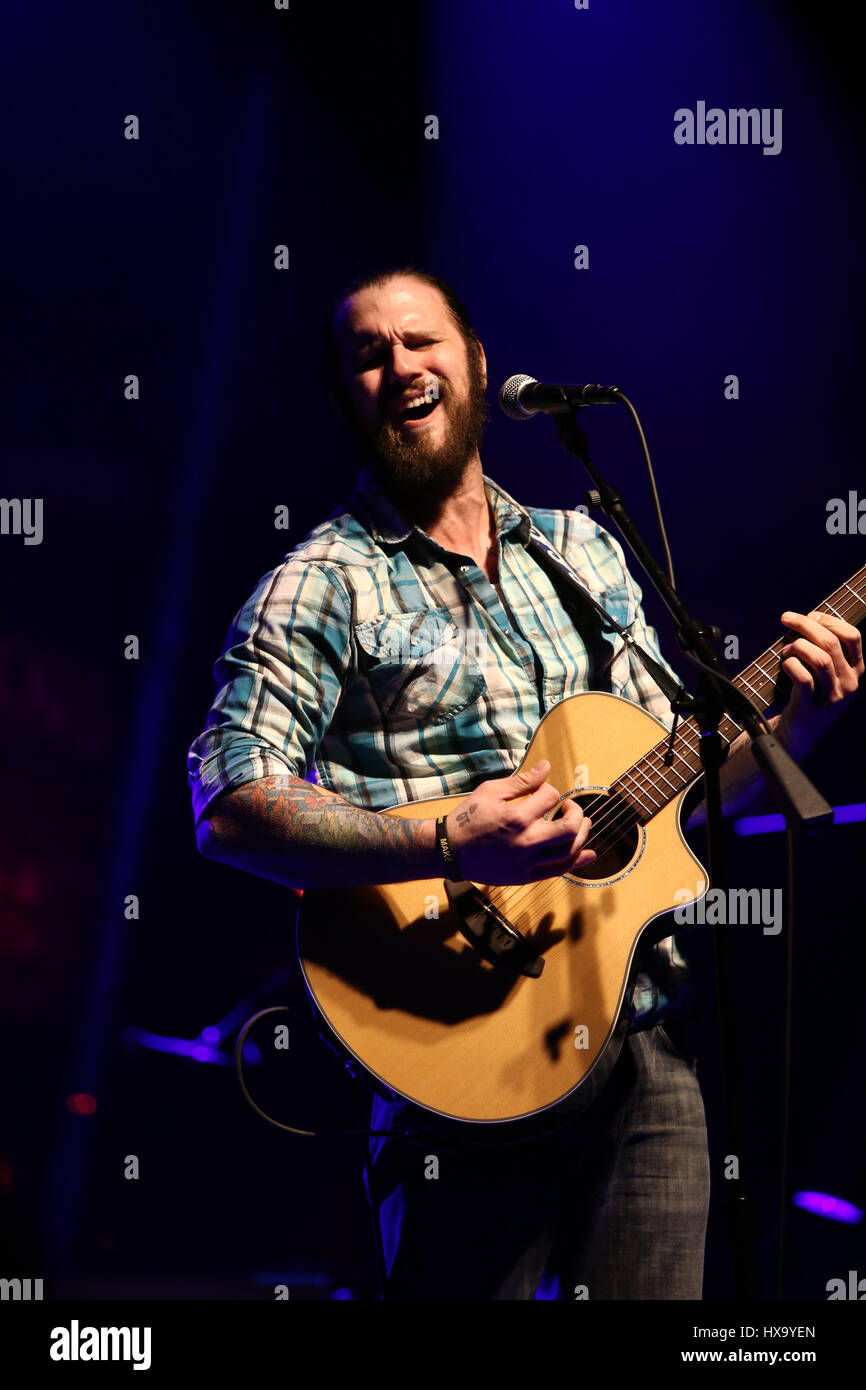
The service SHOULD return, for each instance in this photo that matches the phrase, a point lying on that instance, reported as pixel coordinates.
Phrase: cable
(279, 1124)
(652, 477)
(423, 1138)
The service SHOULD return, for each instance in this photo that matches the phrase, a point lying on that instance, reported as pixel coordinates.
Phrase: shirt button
(533, 631)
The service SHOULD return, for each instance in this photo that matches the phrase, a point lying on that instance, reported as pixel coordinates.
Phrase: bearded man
(406, 650)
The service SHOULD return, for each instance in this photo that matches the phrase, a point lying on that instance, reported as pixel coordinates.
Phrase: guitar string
(654, 761)
(546, 892)
(688, 729)
(619, 814)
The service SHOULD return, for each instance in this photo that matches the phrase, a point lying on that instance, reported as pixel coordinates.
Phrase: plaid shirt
(389, 669)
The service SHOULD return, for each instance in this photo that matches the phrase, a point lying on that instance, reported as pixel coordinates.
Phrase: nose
(402, 367)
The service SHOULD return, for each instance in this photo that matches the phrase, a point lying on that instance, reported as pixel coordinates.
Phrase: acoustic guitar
(492, 1005)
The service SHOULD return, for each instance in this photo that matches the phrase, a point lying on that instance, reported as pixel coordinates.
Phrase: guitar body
(406, 993)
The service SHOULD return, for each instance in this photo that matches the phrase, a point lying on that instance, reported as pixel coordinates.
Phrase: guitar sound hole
(615, 834)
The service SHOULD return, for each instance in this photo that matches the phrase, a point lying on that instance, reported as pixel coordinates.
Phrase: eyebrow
(357, 340)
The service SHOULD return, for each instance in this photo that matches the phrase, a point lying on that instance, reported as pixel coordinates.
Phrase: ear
(483, 360)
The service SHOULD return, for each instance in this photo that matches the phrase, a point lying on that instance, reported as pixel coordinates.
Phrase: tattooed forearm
(286, 829)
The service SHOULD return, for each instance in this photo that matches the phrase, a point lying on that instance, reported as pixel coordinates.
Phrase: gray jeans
(613, 1206)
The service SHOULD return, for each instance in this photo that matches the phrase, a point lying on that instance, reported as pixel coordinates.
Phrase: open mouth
(420, 409)
(417, 412)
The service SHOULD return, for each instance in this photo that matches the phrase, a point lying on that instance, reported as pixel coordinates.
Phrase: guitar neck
(655, 780)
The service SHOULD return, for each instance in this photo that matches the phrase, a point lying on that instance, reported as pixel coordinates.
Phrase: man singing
(405, 650)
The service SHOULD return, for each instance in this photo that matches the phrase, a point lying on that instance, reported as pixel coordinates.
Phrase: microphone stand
(799, 801)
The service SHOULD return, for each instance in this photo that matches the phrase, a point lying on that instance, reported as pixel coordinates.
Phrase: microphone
(523, 396)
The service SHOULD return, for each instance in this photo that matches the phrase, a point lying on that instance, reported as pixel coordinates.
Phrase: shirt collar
(387, 524)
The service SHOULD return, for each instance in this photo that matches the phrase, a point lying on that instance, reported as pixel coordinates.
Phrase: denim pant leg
(635, 1221)
(466, 1222)
(615, 1203)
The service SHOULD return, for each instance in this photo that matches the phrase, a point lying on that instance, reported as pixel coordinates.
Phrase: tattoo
(287, 813)
(463, 817)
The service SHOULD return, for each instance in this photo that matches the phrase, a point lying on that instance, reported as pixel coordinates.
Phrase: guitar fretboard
(652, 782)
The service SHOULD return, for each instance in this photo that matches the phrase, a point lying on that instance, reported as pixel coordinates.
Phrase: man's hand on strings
(824, 663)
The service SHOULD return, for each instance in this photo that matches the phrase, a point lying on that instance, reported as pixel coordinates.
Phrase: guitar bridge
(491, 934)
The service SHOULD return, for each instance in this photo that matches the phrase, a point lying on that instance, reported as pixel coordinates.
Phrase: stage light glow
(832, 1208)
(771, 825)
(759, 825)
(194, 1048)
(81, 1104)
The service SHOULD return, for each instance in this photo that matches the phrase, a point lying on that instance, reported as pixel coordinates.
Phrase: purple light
(183, 1047)
(770, 825)
(833, 1208)
(210, 1035)
(759, 825)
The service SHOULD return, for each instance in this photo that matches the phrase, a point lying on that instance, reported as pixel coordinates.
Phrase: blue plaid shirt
(389, 669)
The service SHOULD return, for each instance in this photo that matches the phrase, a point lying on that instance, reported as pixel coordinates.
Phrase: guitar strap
(542, 547)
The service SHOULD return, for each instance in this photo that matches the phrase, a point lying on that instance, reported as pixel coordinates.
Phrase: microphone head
(509, 397)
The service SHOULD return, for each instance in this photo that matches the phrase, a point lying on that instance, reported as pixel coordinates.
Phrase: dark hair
(455, 306)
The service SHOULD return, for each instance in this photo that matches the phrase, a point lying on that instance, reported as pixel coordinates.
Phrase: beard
(417, 473)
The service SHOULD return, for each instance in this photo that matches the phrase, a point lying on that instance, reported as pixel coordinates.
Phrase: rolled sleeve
(279, 678)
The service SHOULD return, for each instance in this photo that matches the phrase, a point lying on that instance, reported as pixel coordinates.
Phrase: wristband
(448, 858)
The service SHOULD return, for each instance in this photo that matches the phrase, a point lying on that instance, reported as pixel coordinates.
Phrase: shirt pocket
(420, 666)
(616, 601)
